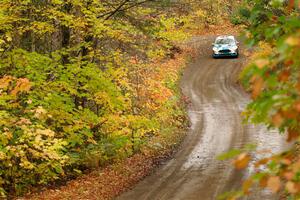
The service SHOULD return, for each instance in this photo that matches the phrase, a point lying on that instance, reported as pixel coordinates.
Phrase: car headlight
(215, 49)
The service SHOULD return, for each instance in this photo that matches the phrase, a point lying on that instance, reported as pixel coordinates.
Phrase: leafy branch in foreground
(274, 80)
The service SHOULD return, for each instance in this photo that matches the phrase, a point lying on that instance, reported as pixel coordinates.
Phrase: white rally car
(225, 46)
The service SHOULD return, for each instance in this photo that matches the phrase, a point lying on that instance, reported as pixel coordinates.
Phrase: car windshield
(224, 41)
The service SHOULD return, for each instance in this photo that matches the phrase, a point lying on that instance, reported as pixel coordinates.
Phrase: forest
(83, 84)
(87, 83)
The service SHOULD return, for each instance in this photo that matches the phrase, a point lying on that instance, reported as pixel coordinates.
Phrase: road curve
(216, 127)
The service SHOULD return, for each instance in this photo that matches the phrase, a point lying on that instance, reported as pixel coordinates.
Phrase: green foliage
(274, 74)
(81, 85)
(273, 79)
(212, 12)
(241, 15)
(231, 154)
(30, 152)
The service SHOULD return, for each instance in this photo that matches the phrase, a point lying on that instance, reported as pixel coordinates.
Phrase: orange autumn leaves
(14, 85)
(285, 180)
(281, 116)
(258, 81)
(152, 81)
(291, 112)
(242, 161)
(268, 66)
(284, 81)
(272, 183)
(293, 4)
(257, 86)
(273, 78)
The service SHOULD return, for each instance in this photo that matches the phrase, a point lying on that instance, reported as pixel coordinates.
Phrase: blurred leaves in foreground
(273, 78)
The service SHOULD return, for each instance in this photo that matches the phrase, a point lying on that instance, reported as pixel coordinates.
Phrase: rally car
(225, 46)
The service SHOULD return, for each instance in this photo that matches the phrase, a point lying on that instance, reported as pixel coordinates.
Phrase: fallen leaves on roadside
(102, 184)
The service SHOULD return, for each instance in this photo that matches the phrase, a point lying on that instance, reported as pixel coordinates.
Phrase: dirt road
(217, 102)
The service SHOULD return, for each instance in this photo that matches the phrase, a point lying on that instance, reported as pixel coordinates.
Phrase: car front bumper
(229, 54)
